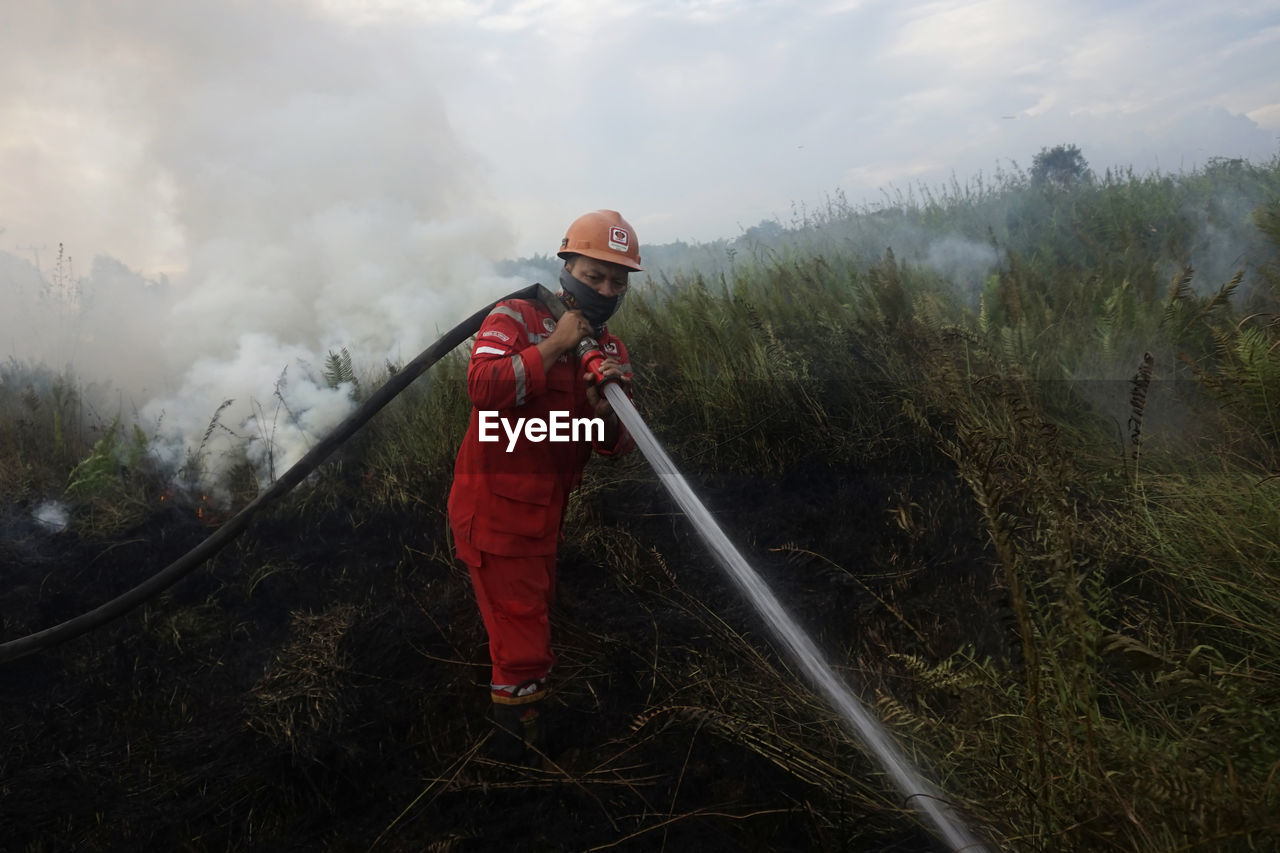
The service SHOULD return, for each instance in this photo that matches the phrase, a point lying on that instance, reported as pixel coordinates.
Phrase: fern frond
(1180, 292)
(338, 369)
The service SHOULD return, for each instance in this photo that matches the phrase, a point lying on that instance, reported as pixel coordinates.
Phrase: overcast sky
(698, 118)
(146, 128)
(312, 175)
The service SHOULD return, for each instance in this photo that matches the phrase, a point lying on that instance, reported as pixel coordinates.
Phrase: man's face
(608, 280)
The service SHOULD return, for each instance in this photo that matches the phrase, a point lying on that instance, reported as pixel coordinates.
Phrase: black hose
(234, 526)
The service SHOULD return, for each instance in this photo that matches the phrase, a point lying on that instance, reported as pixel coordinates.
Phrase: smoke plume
(285, 186)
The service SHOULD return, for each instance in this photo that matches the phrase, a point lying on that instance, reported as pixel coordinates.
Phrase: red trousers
(514, 594)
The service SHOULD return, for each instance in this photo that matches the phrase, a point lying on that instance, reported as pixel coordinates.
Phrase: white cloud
(1267, 116)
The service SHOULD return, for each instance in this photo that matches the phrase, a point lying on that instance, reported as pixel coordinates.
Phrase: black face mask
(578, 296)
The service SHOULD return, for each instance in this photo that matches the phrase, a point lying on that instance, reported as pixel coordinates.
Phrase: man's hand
(610, 369)
(570, 328)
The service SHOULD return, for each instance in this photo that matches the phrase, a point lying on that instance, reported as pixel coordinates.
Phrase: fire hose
(236, 525)
(920, 794)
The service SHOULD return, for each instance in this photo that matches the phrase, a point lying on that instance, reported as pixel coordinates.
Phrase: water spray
(918, 792)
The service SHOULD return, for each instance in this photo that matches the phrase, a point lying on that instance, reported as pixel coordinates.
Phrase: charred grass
(1058, 590)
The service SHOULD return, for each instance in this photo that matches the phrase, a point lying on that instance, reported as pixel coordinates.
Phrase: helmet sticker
(619, 239)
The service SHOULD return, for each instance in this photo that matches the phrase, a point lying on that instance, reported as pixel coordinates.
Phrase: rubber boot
(520, 736)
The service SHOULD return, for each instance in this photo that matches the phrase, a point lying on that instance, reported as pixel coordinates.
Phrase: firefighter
(509, 495)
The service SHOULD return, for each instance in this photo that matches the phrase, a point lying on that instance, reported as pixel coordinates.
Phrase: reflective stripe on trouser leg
(514, 594)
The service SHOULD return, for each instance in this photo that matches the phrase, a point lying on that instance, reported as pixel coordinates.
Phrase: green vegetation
(1137, 709)
(1039, 426)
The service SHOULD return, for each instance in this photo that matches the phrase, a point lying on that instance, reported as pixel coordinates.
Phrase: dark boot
(520, 735)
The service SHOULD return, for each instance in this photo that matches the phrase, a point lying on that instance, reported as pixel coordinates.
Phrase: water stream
(919, 793)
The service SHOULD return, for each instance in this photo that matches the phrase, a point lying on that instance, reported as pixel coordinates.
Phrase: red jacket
(511, 503)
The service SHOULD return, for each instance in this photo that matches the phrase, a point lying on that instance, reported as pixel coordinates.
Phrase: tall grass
(1135, 707)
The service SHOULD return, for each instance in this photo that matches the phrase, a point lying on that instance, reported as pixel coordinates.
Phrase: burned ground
(321, 685)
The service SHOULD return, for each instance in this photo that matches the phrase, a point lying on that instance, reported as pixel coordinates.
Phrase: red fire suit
(506, 505)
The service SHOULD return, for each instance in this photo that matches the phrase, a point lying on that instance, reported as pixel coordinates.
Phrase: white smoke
(102, 327)
(53, 516)
(964, 263)
(300, 176)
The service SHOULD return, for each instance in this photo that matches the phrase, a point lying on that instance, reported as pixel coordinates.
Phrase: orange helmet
(605, 236)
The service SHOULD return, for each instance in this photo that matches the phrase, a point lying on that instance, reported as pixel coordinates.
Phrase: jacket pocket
(523, 487)
(522, 504)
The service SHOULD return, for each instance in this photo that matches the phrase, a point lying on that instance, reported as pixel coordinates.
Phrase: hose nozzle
(588, 351)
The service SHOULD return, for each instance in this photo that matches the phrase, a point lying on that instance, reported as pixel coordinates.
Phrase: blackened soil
(320, 684)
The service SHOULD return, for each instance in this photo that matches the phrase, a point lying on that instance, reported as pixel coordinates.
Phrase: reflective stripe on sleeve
(534, 337)
(490, 351)
(509, 312)
(517, 364)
